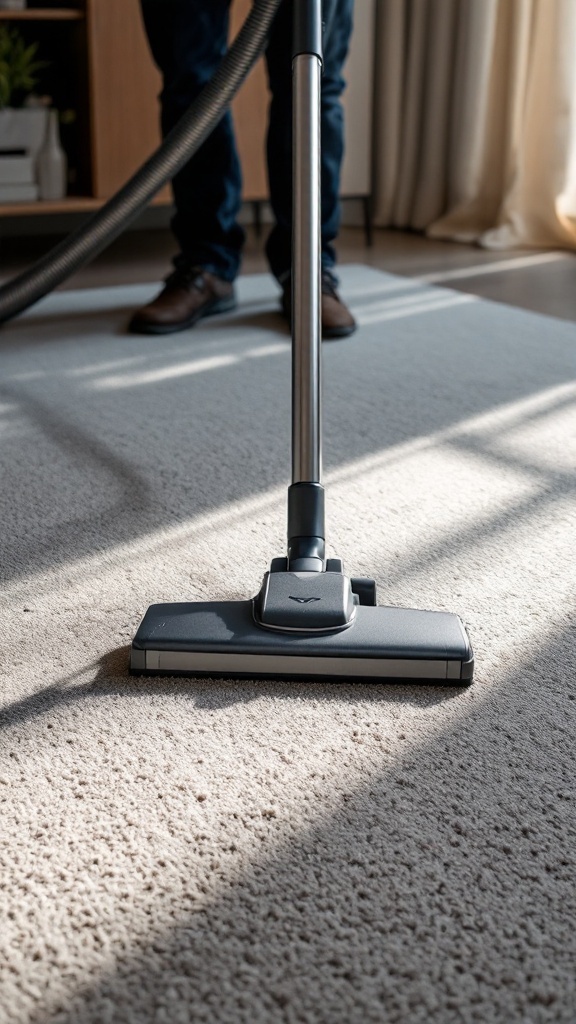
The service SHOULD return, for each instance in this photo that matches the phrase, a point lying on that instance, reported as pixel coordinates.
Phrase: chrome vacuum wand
(306, 545)
(305, 566)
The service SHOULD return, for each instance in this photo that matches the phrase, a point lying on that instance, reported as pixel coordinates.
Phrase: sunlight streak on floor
(498, 267)
(397, 309)
(194, 366)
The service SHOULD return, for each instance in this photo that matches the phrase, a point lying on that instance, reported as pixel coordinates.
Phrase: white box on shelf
(16, 170)
(18, 193)
(23, 128)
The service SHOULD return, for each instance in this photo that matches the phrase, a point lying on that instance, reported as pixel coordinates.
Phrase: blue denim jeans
(188, 39)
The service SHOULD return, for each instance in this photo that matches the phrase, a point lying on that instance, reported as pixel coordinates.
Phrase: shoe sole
(336, 333)
(219, 306)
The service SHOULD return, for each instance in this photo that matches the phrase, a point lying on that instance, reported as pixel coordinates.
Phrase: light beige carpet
(262, 852)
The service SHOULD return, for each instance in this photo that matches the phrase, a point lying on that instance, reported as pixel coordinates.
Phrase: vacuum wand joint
(306, 544)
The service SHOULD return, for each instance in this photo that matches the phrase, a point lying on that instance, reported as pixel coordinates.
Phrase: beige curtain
(475, 120)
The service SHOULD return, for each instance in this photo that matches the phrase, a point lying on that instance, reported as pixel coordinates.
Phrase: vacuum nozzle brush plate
(222, 639)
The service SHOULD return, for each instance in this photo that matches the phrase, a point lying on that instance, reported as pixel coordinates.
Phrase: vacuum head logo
(304, 600)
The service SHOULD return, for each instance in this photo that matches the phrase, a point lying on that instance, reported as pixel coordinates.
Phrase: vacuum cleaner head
(304, 625)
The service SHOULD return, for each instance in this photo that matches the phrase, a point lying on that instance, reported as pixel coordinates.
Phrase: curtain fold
(475, 120)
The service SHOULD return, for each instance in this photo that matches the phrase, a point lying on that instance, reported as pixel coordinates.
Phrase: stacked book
(17, 176)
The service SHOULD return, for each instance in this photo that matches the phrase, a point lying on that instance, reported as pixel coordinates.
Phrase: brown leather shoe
(188, 295)
(337, 320)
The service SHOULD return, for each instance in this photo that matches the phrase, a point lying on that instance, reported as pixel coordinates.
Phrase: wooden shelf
(72, 204)
(43, 14)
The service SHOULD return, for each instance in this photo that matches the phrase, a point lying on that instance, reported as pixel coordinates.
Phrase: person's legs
(188, 39)
(337, 15)
(337, 18)
(279, 141)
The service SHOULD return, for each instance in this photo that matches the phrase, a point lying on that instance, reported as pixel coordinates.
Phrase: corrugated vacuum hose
(180, 144)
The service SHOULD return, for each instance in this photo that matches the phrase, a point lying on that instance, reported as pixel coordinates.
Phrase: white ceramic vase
(52, 164)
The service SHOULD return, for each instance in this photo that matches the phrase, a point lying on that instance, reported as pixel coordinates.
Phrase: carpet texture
(258, 852)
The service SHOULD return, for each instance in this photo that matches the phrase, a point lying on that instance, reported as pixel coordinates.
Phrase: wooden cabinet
(123, 87)
(124, 108)
(116, 99)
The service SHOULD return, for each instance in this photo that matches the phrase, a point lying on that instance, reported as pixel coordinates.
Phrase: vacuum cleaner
(309, 619)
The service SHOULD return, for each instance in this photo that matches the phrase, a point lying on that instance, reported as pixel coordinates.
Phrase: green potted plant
(20, 127)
